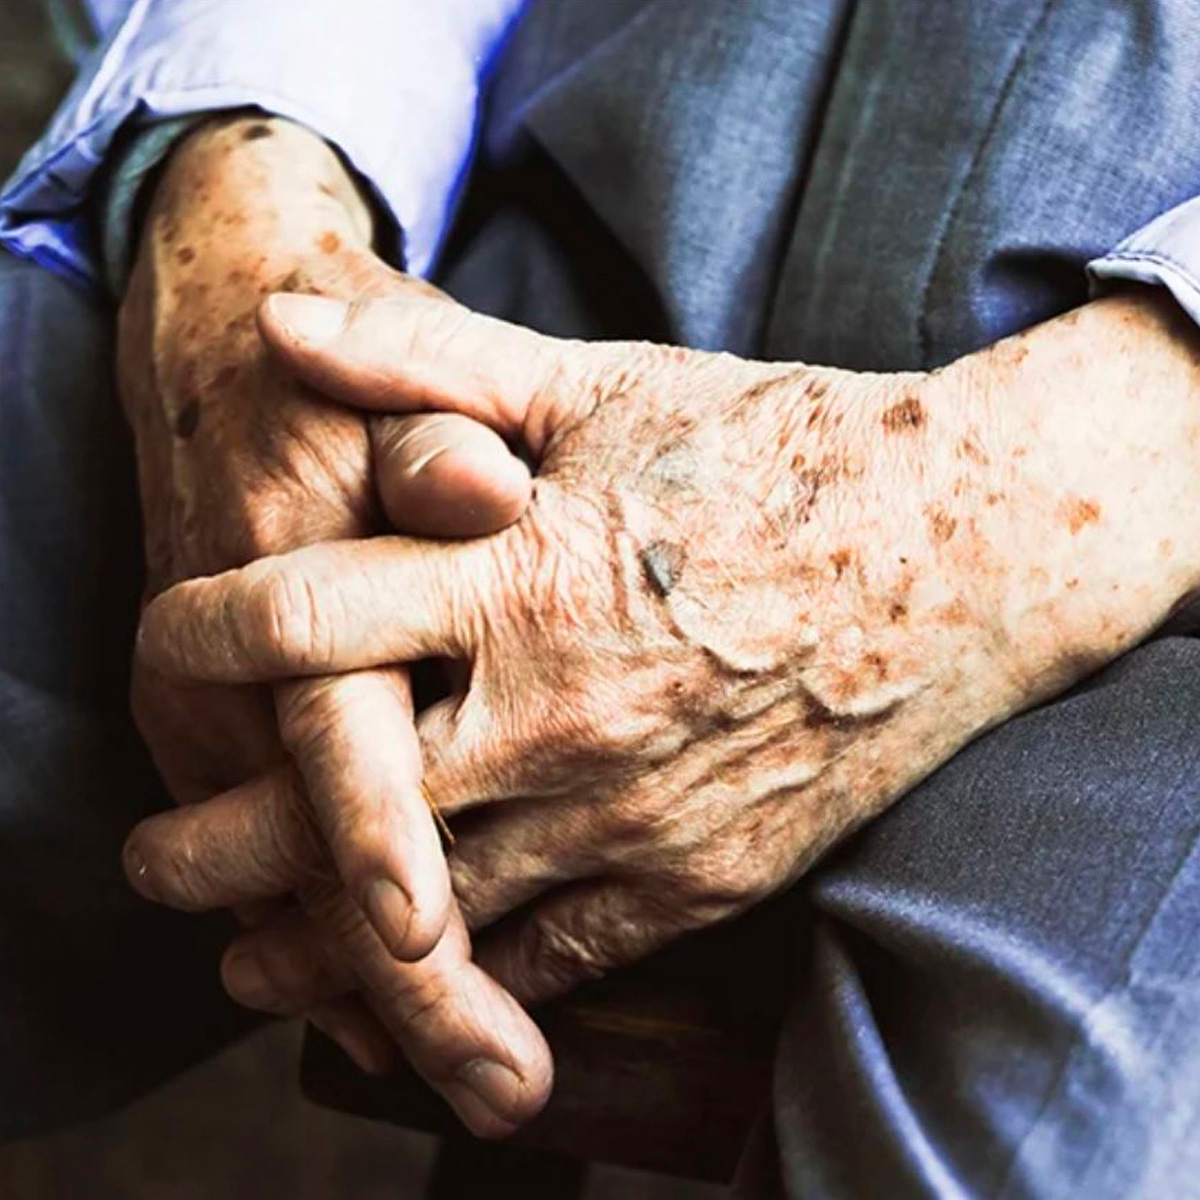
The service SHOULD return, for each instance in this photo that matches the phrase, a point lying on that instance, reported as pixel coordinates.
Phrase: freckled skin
(941, 524)
(906, 416)
(1079, 513)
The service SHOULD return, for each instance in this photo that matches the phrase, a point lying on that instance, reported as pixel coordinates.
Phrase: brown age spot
(188, 420)
(969, 448)
(815, 416)
(329, 242)
(898, 611)
(1072, 584)
(256, 132)
(235, 276)
(941, 524)
(662, 564)
(841, 559)
(1078, 512)
(994, 498)
(185, 255)
(877, 664)
(954, 613)
(908, 414)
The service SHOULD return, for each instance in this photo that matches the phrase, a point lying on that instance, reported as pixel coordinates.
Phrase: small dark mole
(908, 414)
(185, 254)
(1072, 584)
(329, 242)
(188, 420)
(841, 559)
(662, 564)
(878, 664)
(256, 132)
(904, 562)
(898, 611)
(235, 276)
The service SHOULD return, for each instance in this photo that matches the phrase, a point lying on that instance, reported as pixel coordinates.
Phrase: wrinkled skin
(750, 605)
(238, 459)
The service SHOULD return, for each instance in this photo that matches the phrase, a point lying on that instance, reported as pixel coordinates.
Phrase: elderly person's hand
(750, 605)
(237, 459)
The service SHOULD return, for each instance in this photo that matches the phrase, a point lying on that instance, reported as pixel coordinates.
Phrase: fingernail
(390, 911)
(247, 982)
(137, 872)
(311, 319)
(496, 1086)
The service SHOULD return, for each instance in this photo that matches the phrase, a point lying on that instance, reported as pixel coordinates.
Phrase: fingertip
(410, 929)
(136, 866)
(466, 483)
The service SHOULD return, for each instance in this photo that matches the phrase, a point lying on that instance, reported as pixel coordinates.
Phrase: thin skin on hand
(750, 605)
(237, 459)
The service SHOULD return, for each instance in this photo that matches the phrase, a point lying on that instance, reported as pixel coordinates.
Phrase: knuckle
(562, 955)
(294, 848)
(286, 622)
(306, 713)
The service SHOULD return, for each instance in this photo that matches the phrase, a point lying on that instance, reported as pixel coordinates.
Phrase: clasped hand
(748, 606)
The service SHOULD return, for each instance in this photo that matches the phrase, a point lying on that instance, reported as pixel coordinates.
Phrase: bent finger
(458, 1028)
(248, 844)
(353, 740)
(578, 935)
(285, 967)
(328, 608)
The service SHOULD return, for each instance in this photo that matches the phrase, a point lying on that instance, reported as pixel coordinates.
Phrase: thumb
(412, 354)
(444, 475)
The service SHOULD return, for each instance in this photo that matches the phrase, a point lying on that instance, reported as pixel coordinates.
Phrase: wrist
(262, 180)
(1089, 533)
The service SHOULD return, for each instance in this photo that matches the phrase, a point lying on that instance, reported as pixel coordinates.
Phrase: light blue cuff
(393, 85)
(1166, 253)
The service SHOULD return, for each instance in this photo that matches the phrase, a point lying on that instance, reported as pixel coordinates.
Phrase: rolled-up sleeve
(394, 85)
(1166, 252)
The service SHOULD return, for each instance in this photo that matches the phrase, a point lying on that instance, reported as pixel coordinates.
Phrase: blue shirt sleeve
(1165, 252)
(393, 85)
